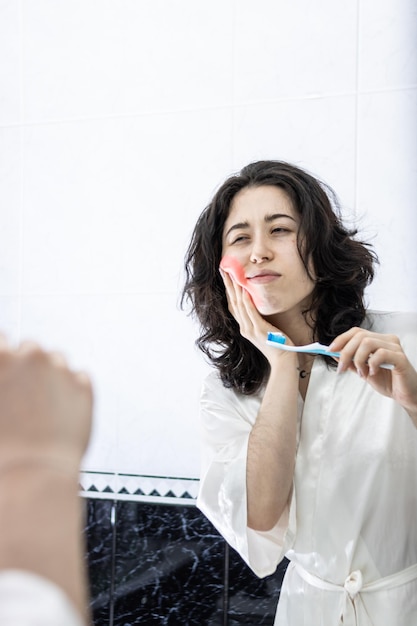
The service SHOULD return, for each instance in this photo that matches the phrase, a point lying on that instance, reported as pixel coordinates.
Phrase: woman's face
(261, 234)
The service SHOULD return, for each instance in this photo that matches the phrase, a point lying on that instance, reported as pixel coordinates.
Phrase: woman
(309, 457)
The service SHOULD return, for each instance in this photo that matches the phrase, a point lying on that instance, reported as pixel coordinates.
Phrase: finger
(356, 345)
(245, 322)
(234, 300)
(5, 350)
(359, 334)
(32, 349)
(229, 290)
(58, 359)
(250, 308)
(341, 340)
(347, 352)
(229, 283)
(84, 382)
(366, 347)
(83, 379)
(28, 347)
(392, 357)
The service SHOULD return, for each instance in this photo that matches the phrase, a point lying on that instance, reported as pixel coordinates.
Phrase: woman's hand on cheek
(252, 325)
(232, 293)
(364, 352)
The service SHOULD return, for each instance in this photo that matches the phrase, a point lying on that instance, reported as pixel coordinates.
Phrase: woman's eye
(240, 238)
(280, 229)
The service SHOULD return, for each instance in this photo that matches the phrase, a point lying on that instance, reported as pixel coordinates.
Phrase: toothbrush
(278, 341)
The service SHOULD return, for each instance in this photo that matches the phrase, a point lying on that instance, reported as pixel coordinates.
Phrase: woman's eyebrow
(275, 216)
(268, 219)
(237, 226)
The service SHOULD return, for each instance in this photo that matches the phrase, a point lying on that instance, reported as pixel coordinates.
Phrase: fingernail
(340, 367)
(359, 372)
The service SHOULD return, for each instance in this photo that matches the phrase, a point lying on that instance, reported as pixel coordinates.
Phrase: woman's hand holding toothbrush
(364, 351)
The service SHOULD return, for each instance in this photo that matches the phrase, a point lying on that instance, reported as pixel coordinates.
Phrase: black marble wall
(159, 564)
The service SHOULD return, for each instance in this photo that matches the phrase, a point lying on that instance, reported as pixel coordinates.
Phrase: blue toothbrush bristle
(276, 337)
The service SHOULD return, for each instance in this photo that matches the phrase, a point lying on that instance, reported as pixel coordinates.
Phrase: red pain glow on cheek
(232, 266)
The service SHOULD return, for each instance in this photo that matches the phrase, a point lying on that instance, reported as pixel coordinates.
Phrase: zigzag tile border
(138, 487)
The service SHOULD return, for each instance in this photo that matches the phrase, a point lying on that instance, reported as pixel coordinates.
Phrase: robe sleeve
(227, 419)
(27, 599)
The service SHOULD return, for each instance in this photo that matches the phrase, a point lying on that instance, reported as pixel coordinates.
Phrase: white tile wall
(10, 211)
(316, 133)
(117, 196)
(89, 58)
(10, 62)
(386, 192)
(10, 317)
(117, 123)
(387, 44)
(294, 49)
(140, 350)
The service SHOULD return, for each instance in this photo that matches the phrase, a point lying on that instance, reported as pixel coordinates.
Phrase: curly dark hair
(343, 267)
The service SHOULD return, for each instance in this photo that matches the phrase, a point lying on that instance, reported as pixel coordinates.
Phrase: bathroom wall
(157, 564)
(118, 119)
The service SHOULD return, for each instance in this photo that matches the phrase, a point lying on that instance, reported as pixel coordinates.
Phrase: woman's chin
(266, 310)
(267, 306)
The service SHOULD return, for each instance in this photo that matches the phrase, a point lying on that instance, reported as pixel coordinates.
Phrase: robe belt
(351, 605)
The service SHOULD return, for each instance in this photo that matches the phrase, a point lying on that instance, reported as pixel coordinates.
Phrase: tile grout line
(21, 176)
(226, 572)
(216, 107)
(233, 90)
(356, 163)
(113, 522)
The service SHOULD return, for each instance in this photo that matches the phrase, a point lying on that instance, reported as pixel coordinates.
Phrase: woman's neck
(295, 327)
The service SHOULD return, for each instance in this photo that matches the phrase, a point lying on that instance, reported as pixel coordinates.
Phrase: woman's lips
(263, 277)
(232, 266)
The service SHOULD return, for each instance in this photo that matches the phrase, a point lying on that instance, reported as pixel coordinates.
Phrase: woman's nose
(260, 251)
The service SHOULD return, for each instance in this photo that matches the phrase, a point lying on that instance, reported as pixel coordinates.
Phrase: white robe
(27, 599)
(352, 519)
